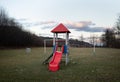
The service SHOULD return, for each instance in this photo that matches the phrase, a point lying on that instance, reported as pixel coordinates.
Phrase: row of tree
(111, 37)
(12, 34)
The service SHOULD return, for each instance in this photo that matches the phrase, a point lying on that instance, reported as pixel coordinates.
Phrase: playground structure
(57, 55)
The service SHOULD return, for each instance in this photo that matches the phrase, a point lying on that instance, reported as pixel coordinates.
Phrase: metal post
(94, 45)
(45, 41)
(67, 48)
(44, 46)
(94, 49)
(54, 40)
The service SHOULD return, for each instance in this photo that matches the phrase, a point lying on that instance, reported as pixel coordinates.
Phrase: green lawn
(18, 66)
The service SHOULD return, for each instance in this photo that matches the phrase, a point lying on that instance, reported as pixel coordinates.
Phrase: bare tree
(118, 24)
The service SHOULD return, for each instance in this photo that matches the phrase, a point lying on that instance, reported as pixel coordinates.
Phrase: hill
(72, 42)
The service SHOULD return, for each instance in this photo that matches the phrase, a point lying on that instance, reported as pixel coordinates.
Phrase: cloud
(78, 24)
(91, 29)
(28, 23)
(22, 19)
(48, 22)
(31, 24)
(87, 26)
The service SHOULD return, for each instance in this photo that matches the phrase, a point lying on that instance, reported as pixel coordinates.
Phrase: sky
(81, 17)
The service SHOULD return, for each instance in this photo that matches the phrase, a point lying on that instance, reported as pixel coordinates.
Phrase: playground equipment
(57, 55)
(54, 63)
(54, 49)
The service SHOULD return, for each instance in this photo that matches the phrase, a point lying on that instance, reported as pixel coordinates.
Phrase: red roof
(60, 29)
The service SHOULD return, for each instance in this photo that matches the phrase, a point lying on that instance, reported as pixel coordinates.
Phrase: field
(18, 66)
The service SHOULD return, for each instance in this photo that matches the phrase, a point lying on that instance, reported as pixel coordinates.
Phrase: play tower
(61, 29)
(54, 63)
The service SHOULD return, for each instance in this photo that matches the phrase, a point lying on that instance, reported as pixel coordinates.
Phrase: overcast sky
(80, 16)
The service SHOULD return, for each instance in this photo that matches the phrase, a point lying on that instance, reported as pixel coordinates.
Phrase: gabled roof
(60, 29)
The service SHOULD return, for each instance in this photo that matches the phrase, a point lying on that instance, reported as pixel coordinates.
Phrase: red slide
(55, 62)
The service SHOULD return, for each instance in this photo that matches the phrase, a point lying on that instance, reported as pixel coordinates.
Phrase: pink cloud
(79, 24)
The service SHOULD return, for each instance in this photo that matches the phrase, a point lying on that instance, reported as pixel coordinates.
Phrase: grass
(18, 66)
